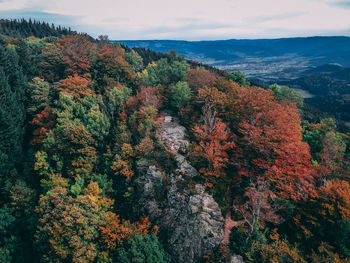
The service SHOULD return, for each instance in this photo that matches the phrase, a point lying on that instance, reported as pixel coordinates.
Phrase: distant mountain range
(267, 59)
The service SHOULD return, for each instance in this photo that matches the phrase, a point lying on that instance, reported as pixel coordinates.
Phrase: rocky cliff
(191, 217)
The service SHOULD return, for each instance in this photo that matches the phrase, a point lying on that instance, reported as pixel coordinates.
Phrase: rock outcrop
(191, 217)
(236, 259)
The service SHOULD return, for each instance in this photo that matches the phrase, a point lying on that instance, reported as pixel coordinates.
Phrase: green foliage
(341, 234)
(238, 77)
(23, 28)
(39, 91)
(134, 59)
(285, 93)
(85, 112)
(142, 249)
(163, 72)
(180, 95)
(7, 239)
(240, 244)
(51, 66)
(12, 112)
(116, 99)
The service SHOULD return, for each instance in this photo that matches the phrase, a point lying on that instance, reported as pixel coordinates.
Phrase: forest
(111, 154)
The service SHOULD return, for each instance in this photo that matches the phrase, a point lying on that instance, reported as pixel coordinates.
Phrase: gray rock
(173, 135)
(191, 217)
(147, 184)
(236, 259)
(184, 167)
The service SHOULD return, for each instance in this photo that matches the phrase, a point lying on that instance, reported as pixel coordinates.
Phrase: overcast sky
(189, 19)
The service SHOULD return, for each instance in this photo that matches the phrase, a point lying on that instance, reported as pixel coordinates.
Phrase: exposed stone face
(190, 216)
(198, 225)
(236, 259)
(149, 182)
(173, 135)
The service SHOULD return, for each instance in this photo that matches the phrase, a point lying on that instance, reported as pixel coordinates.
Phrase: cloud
(190, 20)
(12, 4)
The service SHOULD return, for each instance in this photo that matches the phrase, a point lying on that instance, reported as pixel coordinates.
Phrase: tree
(286, 93)
(52, 66)
(180, 95)
(164, 72)
(324, 220)
(239, 78)
(269, 160)
(8, 241)
(76, 85)
(82, 154)
(331, 156)
(213, 143)
(121, 164)
(117, 97)
(43, 122)
(277, 250)
(39, 91)
(115, 231)
(68, 226)
(145, 249)
(76, 50)
(270, 143)
(199, 78)
(111, 68)
(134, 59)
(12, 112)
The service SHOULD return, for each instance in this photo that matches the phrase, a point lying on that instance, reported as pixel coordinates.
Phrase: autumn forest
(112, 154)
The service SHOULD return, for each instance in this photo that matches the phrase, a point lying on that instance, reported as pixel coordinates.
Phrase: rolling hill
(267, 59)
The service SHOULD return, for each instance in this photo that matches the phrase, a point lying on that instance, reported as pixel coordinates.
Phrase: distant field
(266, 59)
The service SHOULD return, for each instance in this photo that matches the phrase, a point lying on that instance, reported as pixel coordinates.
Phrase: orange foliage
(76, 85)
(115, 232)
(270, 140)
(335, 196)
(83, 155)
(145, 147)
(112, 64)
(121, 164)
(122, 167)
(213, 143)
(212, 96)
(199, 78)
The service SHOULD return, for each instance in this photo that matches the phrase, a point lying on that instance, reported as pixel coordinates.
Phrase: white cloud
(198, 19)
(12, 4)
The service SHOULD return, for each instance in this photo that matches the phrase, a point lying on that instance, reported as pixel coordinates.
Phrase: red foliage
(115, 232)
(76, 50)
(213, 143)
(270, 144)
(146, 96)
(45, 121)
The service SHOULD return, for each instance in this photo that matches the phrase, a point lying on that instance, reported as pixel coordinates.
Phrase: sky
(189, 19)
